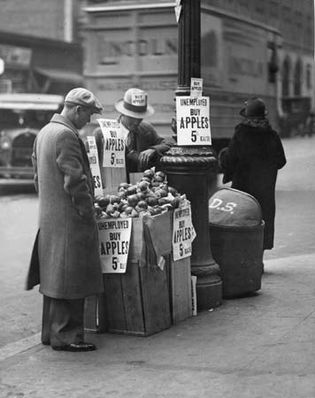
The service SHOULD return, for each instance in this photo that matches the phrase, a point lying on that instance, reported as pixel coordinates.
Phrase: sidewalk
(259, 346)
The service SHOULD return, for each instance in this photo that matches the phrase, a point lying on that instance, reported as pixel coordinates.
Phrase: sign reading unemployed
(193, 121)
(94, 165)
(114, 143)
(114, 238)
(183, 232)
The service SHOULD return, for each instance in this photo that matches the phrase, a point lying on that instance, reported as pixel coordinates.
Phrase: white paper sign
(114, 143)
(94, 165)
(193, 121)
(139, 99)
(196, 85)
(183, 232)
(114, 238)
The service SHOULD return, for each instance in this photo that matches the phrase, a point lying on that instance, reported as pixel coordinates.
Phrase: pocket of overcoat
(33, 271)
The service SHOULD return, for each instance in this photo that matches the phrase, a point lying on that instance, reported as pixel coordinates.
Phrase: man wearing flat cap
(66, 247)
(144, 147)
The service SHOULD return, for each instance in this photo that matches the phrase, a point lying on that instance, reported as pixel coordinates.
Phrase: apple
(123, 185)
(114, 199)
(132, 190)
(132, 200)
(143, 185)
(102, 201)
(148, 173)
(160, 174)
(134, 213)
(152, 200)
(173, 191)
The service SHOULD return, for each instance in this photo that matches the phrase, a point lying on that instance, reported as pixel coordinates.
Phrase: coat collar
(57, 118)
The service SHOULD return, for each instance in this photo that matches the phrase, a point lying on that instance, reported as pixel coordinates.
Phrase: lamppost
(193, 169)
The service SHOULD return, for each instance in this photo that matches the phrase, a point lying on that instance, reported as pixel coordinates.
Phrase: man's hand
(145, 157)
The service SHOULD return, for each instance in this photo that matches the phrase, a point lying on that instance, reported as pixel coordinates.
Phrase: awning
(17, 101)
(60, 75)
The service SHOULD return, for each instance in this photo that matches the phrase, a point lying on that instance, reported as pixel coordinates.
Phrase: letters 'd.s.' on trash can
(236, 238)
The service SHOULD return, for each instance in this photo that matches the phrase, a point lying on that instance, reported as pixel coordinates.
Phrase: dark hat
(134, 104)
(84, 97)
(255, 108)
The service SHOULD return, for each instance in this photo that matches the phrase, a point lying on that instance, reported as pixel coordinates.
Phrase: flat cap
(84, 97)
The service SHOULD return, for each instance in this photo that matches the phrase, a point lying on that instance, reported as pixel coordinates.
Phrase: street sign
(193, 121)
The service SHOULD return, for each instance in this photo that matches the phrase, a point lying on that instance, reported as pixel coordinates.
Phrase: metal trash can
(236, 232)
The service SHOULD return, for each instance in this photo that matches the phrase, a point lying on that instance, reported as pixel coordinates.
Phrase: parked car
(21, 118)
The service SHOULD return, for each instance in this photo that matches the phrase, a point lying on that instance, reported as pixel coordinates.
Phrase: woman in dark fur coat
(252, 160)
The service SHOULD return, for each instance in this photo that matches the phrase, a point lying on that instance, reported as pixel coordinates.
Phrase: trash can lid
(231, 207)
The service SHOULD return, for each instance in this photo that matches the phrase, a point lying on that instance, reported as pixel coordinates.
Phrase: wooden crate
(180, 289)
(137, 302)
(95, 314)
(144, 300)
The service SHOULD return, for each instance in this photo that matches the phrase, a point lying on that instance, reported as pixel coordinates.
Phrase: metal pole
(193, 169)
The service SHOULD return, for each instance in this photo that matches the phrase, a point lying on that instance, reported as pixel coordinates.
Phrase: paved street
(258, 346)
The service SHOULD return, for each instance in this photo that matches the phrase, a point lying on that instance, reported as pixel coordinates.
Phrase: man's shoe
(46, 342)
(79, 347)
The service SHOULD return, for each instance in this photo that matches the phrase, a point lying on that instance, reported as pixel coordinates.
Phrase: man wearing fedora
(144, 147)
(252, 160)
(65, 260)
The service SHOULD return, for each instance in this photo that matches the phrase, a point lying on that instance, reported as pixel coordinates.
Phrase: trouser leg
(45, 338)
(66, 321)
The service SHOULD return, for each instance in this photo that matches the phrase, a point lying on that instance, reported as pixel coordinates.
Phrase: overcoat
(142, 138)
(68, 253)
(251, 162)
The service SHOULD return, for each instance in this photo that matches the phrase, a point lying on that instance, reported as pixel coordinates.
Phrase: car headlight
(5, 143)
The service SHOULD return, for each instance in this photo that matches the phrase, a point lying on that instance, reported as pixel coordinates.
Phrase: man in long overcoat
(252, 160)
(66, 247)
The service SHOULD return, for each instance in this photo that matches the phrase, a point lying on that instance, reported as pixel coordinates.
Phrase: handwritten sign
(193, 121)
(139, 99)
(218, 204)
(183, 232)
(114, 238)
(94, 165)
(196, 87)
(114, 143)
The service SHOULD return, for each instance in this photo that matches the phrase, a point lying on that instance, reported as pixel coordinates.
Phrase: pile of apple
(151, 195)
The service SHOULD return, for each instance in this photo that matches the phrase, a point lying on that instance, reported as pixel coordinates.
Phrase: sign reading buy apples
(193, 121)
(114, 238)
(183, 232)
(114, 143)
(94, 165)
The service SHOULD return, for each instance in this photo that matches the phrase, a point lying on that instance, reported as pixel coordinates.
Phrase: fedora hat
(134, 104)
(82, 96)
(254, 108)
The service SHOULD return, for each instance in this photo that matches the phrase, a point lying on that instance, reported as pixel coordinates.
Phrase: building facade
(39, 46)
(248, 47)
